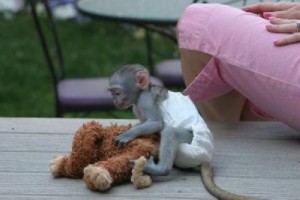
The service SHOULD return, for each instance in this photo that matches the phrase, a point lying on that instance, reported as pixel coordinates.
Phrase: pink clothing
(244, 59)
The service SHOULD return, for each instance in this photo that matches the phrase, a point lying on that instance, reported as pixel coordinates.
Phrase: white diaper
(179, 111)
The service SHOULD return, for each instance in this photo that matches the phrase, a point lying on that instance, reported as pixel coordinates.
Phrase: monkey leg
(85, 150)
(170, 138)
(103, 174)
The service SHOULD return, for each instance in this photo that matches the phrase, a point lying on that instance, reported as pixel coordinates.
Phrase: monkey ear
(143, 79)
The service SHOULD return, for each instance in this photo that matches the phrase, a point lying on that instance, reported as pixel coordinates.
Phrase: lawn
(93, 49)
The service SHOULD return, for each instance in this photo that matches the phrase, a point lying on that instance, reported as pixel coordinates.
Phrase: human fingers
(260, 8)
(283, 28)
(275, 20)
(293, 38)
(291, 13)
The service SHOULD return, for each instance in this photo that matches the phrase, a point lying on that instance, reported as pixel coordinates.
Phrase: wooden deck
(258, 159)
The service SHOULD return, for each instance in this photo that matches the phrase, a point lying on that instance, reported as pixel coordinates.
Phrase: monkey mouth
(123, 106)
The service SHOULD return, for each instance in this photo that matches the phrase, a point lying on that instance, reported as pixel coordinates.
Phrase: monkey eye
(117, 93)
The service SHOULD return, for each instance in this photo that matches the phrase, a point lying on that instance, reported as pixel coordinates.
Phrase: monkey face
(120, 99)
(125, 87)
(122, 104)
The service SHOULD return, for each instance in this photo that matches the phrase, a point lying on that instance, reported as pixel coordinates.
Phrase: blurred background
(91, 48)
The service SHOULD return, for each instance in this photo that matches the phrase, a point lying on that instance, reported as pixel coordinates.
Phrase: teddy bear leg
(102, 175)
(138, 178)
(85, 150)
(56, 166)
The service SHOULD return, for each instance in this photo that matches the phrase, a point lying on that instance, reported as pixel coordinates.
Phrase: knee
(165, 171)
(193, 18)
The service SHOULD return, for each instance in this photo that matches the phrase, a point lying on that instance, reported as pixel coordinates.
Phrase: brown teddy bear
(101, 163)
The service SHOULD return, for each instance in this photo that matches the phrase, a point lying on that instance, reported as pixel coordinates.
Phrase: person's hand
(279, 25)
(284, 10)
(284, 18)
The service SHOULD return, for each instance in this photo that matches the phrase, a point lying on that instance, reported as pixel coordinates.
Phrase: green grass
(90, 49)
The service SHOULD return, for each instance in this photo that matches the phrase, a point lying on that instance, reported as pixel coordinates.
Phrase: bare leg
(170, 138)
(226, 108)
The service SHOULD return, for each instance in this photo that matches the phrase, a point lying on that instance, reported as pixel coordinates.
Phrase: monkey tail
(213, 189)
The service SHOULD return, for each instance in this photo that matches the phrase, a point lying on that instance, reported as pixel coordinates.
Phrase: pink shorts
(244, 59)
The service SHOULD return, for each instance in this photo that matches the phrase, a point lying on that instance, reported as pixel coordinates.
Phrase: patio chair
(169, 72)
(71, 94)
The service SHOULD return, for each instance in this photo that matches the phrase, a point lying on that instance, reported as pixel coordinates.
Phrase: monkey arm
(146, 128)
(152, 121)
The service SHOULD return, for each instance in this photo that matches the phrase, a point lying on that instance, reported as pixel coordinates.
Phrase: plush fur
(100, 163)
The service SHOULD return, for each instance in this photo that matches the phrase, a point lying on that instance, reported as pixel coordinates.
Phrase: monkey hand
(123, 139)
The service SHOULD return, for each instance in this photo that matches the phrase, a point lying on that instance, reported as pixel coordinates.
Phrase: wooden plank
(49, 125)
(239, 146)
(179, 187)
(62, 142)
(35, 162)
(36, 142)
(40, 183)
(65, 125)
(258, 159)
(88, 197)
(263, 188)
(256, 166)
(48, 143)
(224, 165)
(254, 130)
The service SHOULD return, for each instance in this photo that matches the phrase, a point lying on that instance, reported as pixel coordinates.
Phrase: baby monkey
(186, 141)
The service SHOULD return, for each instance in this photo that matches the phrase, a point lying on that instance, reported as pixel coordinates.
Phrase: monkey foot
(55, 166)
(97, 178)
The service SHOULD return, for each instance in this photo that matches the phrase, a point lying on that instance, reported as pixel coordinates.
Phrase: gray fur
(146, 104)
